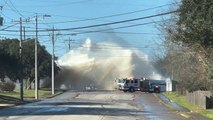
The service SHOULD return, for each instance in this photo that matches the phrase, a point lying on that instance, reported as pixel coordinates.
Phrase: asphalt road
(99, 105)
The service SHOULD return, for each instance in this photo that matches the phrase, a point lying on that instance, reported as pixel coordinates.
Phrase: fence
(203, 99)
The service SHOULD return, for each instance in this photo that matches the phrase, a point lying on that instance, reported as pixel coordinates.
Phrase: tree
(44, 61)
(189, 43)
(11, 66)
(196, 30)
(9, 61)
(196, 22)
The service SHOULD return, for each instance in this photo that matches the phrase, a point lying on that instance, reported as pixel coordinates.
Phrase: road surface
(98, 105)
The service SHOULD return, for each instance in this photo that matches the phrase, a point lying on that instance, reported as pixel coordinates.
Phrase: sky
(63, 14)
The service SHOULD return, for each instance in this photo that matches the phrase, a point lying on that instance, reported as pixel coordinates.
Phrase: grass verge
(181, 100)
(29, 95)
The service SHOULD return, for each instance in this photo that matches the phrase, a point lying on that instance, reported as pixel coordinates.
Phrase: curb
(52, 96)
(185, 115)
(173, 104)
(16, 104)
(167, 105)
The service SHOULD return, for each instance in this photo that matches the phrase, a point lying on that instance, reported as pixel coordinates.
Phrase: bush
(7, 86)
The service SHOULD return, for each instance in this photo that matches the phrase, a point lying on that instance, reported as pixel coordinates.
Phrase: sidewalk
(193, 116)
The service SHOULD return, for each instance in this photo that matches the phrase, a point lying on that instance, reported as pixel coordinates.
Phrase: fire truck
(132, 85)
(144, 85)
(156, 86)
(119, 83)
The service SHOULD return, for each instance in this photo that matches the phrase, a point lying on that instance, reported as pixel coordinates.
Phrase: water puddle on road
(56, 110)
(52, 110)
(147, 114)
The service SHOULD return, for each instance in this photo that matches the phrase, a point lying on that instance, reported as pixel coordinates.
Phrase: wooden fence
(203, 99)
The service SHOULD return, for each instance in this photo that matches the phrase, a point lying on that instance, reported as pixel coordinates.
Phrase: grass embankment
(181, 100)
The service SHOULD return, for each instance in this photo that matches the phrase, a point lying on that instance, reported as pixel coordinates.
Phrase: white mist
(100, 63)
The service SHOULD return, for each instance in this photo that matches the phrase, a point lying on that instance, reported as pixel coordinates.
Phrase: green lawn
(181, 100)
(28, 94)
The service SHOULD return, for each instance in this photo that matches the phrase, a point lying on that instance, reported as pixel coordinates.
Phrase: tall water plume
(99, 63)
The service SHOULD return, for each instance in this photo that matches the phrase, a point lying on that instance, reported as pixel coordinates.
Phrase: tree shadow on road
(69, 108)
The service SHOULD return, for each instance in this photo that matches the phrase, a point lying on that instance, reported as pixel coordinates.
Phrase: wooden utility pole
(36, 57)
(24, 33)
(36, 60)
(53, 61)
(20, 52)
(1, 18)
(69, 43)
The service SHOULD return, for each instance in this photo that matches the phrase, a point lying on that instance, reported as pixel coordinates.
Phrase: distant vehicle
(91, 87)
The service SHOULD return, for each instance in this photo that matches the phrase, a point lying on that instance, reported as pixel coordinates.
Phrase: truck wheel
(131, 89)
(156, 90)
(125, 90)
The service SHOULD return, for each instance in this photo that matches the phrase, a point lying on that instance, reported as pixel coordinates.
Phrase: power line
(117, 32)
(43, 14)
(98, 25)
(9, 26)
(106, 24)
(122, 27)
(108, 16)
(110, 23)
(62, 4)
(13, 7)
(115, 15)
(118, 22)
(6, 16)
(110, 30)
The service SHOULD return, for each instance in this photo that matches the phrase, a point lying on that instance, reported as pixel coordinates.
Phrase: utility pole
(20, 52)
(53, 60)
(24, 33)
(36, 57)
(36, 60)
(69, 43)
(1, 18)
